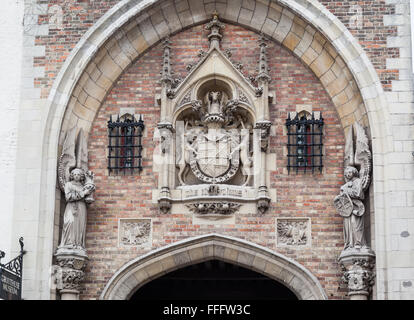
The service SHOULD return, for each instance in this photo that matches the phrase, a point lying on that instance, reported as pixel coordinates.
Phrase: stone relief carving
(186, 99)
(215, 154)
(293, 232)
(242, 96)
(134, 232)
(223, 208)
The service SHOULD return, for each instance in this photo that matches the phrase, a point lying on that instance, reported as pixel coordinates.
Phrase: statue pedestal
(71, 264)
(358, 272)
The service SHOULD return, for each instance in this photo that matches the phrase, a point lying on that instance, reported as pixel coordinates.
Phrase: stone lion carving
(76, 182)
(349, 202)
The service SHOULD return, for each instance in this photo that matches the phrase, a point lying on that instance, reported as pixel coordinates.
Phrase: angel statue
(349, 202)
(76, 182)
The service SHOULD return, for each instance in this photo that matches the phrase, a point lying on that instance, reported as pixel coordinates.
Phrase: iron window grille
(125, 144)
(304, 142)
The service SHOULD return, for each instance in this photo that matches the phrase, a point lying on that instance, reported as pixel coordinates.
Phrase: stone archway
(126, 31)
(141, 270)
(212, 279)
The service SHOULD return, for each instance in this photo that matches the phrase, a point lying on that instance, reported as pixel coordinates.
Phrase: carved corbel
(358, 273)
(164, 201)
(69, 274)
(263, 200)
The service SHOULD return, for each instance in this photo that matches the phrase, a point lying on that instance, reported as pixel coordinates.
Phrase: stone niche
(213, 132)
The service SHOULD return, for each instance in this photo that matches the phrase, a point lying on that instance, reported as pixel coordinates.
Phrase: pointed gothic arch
(131, 27)
(134, 274)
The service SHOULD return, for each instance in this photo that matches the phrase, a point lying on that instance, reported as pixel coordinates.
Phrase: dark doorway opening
(213, 280)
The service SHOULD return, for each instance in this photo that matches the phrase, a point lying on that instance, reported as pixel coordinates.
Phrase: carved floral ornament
(214, 130)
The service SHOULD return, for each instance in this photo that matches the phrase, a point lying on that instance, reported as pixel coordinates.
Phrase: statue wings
(349, 148)
(74, 155)
(362, 156)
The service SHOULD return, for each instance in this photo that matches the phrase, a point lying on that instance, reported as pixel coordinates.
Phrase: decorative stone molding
(224, 208)
(294, 232)
(248, 255)
(358, 272)
(214, 140)
(135, 232)
(70, 273)
(263, 75)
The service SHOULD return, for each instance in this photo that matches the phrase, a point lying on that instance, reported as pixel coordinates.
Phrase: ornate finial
(263, 75)
(21, 243)
(166, 77)
(215, 25)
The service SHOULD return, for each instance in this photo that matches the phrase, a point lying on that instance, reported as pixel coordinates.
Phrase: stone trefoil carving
(77, 184)
(357, 259)
(210, 154)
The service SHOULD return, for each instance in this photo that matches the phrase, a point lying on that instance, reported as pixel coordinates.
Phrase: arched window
(304, 142)
(125, 144)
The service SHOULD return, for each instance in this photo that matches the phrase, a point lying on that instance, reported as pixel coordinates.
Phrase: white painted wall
(11, 39)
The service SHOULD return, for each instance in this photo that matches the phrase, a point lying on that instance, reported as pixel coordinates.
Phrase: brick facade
(74, 51)
(79, 16)
(130, 196)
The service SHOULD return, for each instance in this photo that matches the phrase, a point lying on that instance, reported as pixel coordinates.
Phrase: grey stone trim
(213, 246)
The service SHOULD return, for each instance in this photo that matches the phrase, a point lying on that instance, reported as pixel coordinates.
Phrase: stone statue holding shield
(349, 203)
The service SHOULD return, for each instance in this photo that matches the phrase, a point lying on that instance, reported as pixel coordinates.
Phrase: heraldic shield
(343, 205)
(214, 158)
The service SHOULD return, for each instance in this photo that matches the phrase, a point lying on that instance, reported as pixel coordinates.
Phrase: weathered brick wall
(364, 19)
(302, 195)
